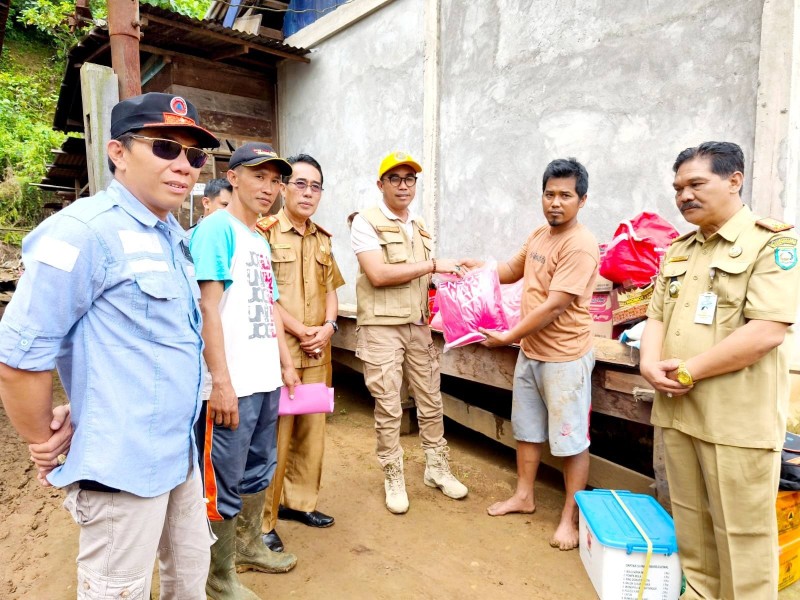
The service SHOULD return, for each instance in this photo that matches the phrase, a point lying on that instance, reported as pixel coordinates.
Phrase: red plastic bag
(634, 255)
(469, 303)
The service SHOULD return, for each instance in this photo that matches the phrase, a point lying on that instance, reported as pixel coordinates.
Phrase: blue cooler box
(613, 551)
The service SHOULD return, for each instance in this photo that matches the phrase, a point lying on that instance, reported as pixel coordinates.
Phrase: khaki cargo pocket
(435, 376)
(93, 586)
(393, 301)
(380, 372)
(394, 247)
(284, 260)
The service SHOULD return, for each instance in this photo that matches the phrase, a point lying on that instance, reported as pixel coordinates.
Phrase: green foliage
(30, 73)
(191, 8)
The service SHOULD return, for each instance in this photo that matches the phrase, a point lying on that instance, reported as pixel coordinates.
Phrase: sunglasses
(170, 150)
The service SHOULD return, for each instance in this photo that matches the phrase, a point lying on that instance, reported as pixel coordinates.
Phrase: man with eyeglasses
(394, 250)
(307, 276)
(124, 334)
(248, 361)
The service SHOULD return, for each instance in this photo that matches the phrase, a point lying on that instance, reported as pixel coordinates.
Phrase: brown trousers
(301, 447)
(386, 352)
(723, 502)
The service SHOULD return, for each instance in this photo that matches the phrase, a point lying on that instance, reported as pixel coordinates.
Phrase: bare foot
(514, 504)
(566, 536)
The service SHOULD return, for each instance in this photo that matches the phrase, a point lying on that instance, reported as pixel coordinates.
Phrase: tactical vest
(396, 304)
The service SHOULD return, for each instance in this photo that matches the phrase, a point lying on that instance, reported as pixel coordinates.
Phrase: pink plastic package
(469, 303)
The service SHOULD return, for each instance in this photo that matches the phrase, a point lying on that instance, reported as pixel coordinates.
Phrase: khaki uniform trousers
(301, 447)
(723, 503)
(385, 351)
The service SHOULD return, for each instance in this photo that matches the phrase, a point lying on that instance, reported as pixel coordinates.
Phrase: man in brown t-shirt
(552, 379)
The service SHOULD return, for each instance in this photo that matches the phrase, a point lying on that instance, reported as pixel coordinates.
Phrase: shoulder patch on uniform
(774, 225)
(322, 230)
(266, 223)
(685, 236)
(786, 258)
(424, 233)
(783, 241)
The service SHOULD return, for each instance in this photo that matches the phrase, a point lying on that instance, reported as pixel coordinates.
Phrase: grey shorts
(552, 401)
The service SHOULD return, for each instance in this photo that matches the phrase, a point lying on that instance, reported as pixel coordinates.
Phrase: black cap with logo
(159, 110)
(258, 153)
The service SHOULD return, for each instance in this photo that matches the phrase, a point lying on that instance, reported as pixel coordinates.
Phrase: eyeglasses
(302, 184)
(170, 150)
(410, 180)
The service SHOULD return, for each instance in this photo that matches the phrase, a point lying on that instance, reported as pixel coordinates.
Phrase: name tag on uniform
(706, 307)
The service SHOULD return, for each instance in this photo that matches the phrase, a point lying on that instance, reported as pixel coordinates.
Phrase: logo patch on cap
(178, 106)
(262, 152)
(170, 119)
(400, 155)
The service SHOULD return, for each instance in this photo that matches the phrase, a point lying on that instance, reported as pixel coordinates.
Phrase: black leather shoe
(273, 541)
(312, 519)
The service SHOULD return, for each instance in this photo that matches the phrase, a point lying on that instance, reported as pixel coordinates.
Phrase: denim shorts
(552, 401)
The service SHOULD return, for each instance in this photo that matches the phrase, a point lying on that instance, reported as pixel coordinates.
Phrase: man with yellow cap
(394, 252)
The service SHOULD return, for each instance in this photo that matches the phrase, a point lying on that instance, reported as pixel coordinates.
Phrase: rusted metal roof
(165, 33)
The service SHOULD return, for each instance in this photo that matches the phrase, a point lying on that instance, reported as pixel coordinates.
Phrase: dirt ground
(440, 549)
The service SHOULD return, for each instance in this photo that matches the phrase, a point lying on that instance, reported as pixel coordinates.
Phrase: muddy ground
(440, 549)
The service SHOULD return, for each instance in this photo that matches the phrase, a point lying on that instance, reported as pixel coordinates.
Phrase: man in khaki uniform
(712, 350)
(307, 276)
(394, 255)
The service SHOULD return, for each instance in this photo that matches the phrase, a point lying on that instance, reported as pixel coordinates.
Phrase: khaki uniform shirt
(306, 271)
(752, 271)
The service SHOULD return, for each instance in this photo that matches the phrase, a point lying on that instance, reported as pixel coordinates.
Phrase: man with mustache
(248, 362)
(307, 276)
(552, 395)
(712, 349)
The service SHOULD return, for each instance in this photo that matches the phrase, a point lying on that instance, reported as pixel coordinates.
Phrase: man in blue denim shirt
(109, 298)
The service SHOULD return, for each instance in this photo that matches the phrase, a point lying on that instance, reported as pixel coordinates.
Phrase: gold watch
(684, 377)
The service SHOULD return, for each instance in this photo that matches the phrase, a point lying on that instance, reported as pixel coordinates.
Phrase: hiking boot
(251, 553)
(222, 582)
(395, 487)
(438, 474)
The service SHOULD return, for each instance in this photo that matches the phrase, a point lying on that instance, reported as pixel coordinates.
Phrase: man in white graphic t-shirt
(248, 361)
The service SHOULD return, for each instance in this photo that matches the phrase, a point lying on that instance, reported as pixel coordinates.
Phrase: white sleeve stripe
(56, 253)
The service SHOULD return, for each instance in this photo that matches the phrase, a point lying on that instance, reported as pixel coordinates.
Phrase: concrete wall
(621, 85)
(358, 99)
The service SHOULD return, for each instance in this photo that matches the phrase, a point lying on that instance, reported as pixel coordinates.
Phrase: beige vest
(397, 304)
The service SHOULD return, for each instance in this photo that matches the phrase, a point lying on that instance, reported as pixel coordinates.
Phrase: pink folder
(308, 398)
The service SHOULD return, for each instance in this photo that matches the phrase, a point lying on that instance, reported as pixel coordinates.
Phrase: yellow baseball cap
(395, 159)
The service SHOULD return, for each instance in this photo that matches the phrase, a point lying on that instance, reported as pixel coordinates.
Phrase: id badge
(706, 307)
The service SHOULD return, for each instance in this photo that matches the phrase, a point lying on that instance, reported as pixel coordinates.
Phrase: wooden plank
(614, 351)
(221, 102)
(618, 404)
(602, 473)
(213, 76)
(238, 126)
(624, 382)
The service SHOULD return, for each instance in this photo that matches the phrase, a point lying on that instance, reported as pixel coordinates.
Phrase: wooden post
(99, 95)
(123, 33)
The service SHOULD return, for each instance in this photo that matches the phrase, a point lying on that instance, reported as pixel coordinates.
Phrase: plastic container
(613, 551)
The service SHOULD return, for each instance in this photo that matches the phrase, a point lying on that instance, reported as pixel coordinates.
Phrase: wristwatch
(334, 325)
(684, 377)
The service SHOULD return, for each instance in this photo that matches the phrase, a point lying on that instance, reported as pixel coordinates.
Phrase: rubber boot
(222, 582)
(394, 484)
(251, 553)
(438, 474)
